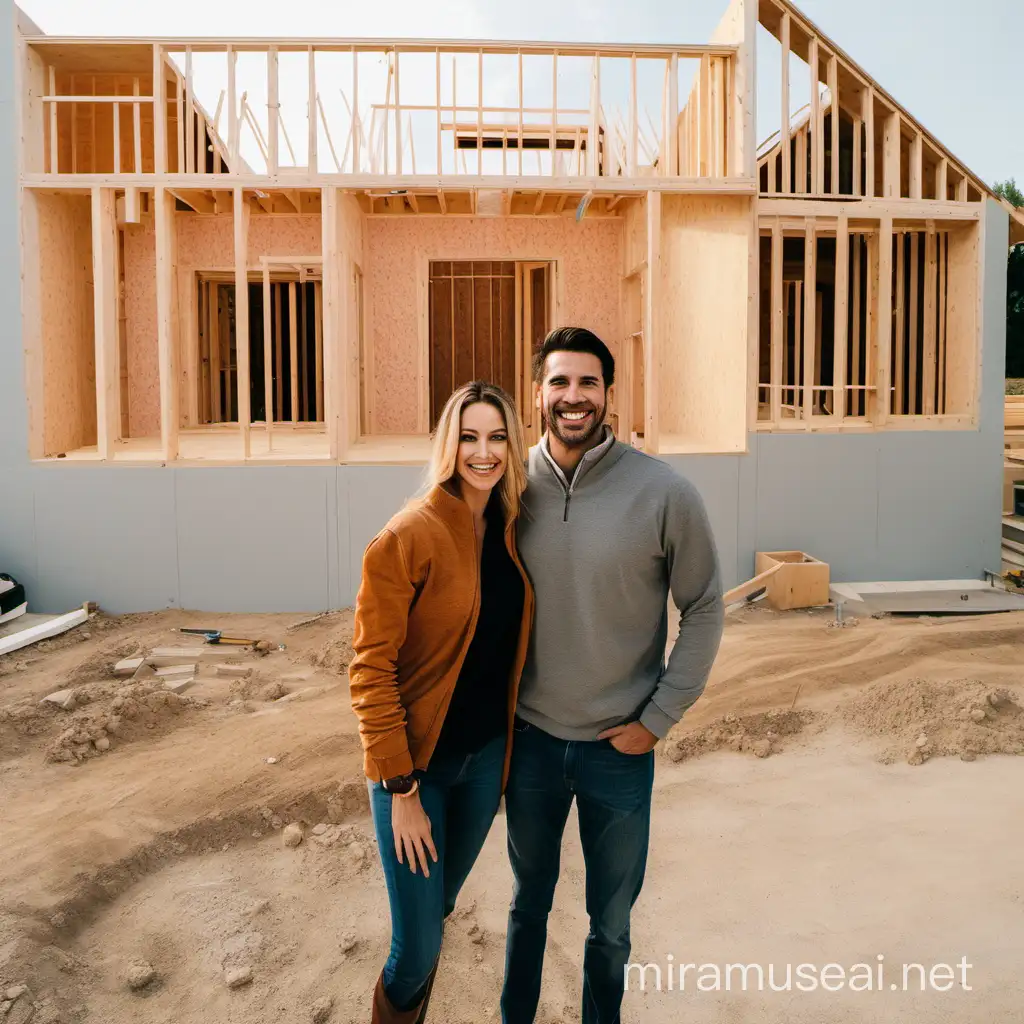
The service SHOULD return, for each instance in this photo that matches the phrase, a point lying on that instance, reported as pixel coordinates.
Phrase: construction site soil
(839, 795)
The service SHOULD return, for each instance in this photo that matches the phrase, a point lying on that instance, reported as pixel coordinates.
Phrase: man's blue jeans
(613, 802)
(460, 796)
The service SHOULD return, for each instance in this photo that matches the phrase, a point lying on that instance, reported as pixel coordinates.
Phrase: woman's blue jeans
(460, 796)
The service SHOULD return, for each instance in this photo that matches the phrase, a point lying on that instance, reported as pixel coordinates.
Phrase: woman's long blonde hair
(445, 450)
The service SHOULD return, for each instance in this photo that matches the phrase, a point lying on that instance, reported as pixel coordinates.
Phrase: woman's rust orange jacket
(416, 612)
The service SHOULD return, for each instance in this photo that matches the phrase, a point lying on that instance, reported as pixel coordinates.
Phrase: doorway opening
(487, 320)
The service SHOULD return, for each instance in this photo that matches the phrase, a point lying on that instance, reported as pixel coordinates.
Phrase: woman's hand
(411, 827)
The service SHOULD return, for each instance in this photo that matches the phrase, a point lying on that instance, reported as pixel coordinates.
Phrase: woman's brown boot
(385, 1013)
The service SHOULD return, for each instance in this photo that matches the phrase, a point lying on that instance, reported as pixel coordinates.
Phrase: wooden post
(169, 411)
(633, 119)
(917, 166)
(930, 282)
(54, 141)
(883, 320)
(357, 127)
(303, 360)
(278, 290)
(319, 337)
(857, 397)
(136, 129)
(833, 89)
(241, 224)
(673, 114)
(179, 107)
(117, 138)
(858, 157)
(233, 124)
(942, 180)
(800, 170)
(705, 114)
(480, 107)
(842, 296)
(268, 358)
(273, 114)
(293, 349)
(333, 274)
(815, 140)
(914, 331)
(787, 157)
(437, 100)
(213, 312)
(191, 164)
(943, 253)
(105, 289)
(311, 148)
(519, 142)
(652, 331)
(778, 341)
(554, 108)
(899, 402)
(810, 318)
(869, 141)
(891, 157)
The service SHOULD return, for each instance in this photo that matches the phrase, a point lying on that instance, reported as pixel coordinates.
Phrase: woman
(441, 629)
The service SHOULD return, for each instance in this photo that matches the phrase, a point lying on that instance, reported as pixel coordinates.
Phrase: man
(608, 533)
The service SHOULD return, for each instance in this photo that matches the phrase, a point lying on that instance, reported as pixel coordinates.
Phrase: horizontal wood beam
(870, 209)
(429, 183)
(255, 44)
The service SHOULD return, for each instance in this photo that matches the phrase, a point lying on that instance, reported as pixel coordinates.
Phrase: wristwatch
(400, 785)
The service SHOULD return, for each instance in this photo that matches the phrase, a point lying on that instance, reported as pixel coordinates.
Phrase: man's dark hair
(575, 339)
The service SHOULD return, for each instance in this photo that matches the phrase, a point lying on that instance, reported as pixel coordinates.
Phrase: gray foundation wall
(876, 506)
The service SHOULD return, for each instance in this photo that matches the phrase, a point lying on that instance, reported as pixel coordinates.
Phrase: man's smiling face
(573, 397)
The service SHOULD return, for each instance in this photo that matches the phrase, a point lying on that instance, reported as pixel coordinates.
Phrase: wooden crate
(802, 582)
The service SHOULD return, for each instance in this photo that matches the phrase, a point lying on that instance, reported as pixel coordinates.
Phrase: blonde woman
(442, 624)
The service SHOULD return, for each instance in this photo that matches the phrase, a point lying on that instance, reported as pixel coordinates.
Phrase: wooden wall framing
(867, 322)
(853, 139)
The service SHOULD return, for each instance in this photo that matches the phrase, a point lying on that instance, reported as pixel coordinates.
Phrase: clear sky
(954, 66)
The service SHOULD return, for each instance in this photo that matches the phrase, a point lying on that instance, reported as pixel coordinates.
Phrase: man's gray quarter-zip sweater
(604, 550)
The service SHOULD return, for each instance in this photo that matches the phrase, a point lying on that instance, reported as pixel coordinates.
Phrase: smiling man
(608, 533)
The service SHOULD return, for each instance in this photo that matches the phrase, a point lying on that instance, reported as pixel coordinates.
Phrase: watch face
(400, 784)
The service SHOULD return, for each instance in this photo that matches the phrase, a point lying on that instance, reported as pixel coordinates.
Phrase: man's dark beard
(576, 440)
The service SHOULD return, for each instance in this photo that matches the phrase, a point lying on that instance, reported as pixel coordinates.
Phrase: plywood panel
(589, 258)
(440, 348)
(962, 334)
(66, 328)
(701, 352)
(143, 370)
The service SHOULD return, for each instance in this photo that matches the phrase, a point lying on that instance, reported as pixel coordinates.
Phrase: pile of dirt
(137, 709)
(759, 734)
(336, 652)
(924, 718)
(256, 685)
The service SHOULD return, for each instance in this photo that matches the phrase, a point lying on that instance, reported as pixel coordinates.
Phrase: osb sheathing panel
(203, 243)
(66, 310)
(701, 346)
(634, 245)
(589, 256)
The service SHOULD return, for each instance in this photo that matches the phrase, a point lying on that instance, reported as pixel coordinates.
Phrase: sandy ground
(838, 795)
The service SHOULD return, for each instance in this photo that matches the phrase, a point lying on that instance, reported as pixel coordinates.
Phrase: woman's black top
(478, 712)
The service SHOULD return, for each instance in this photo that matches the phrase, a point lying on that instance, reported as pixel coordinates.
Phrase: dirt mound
(256, 685)
(924, 718)
(137, 709)
(759, 734)
(336, 652)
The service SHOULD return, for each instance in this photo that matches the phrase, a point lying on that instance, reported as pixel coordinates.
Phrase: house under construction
(253, 270)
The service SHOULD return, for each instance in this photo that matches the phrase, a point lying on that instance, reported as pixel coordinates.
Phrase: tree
(1014, 289)
(1009, 191)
